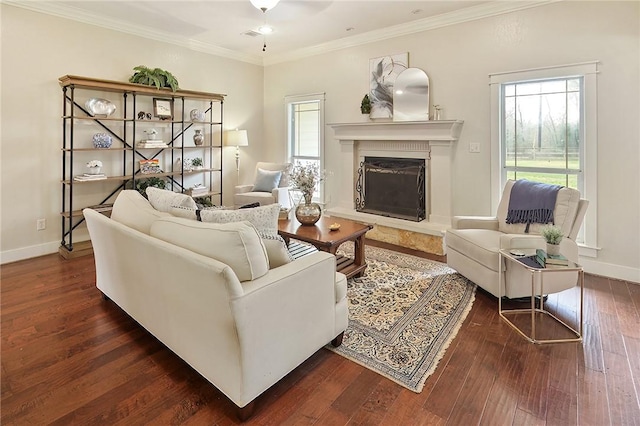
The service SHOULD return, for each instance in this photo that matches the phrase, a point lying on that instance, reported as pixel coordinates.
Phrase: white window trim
(293, 99)
(589, 71)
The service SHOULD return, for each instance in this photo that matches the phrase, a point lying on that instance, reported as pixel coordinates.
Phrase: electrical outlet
(41, 224)
(474, 147)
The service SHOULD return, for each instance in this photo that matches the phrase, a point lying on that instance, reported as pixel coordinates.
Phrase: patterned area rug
(403, 313)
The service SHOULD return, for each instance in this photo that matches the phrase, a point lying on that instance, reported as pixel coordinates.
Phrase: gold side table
(537, 289)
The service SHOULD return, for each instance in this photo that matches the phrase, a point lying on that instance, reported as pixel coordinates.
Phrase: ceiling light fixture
(265, 29)
(264, 5)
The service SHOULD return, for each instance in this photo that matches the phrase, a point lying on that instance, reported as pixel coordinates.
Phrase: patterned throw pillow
(162, 200)
(277, 251)
(264, 218)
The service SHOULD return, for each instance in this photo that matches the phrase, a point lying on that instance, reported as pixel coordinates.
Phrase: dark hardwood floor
(68, 357)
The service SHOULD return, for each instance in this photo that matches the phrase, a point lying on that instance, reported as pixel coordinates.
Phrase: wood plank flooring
(68, 357)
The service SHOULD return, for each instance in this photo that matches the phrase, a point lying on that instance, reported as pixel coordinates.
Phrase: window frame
(588, 72)
(298, 99)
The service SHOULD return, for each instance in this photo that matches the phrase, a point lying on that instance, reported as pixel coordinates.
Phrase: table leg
(359, 253)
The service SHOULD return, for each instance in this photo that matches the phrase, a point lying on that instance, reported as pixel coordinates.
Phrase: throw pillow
(237, 245)
(277, 251)
(184, 212)
(266, 180)
(264, 218)
(133, 210)
(250, 206)
(162, 200)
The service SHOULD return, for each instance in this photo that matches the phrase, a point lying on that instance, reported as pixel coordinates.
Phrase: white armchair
(473, 244)
(245, 194)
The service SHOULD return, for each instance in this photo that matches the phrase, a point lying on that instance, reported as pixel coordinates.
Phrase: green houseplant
(154, 77)
(553, 236)
(143, 184)
(197, 163)
(365, 105)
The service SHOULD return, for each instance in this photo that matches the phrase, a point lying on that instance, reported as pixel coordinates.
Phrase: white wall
(458, 60)
(37, 49)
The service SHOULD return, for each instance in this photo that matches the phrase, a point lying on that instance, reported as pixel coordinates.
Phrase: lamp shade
(237, 138)
(264, 5)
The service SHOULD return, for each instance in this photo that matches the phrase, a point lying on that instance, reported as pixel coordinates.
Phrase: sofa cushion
(135, 211)
(264, 218)
(564, 213)
(163, 200)
(235, 244)
(266, 180)
(481, 245)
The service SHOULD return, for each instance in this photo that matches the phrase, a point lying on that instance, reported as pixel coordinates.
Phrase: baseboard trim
(610, 270)
(23, 253)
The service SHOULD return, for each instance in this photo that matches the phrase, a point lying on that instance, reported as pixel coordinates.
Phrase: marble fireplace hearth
(429, 140)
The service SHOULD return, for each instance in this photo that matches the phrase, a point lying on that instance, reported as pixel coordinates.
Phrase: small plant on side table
(553, 236)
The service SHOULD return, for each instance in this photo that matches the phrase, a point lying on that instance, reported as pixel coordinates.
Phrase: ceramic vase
(94, 170)
(553, 249)
(308, 212)
(198, 138)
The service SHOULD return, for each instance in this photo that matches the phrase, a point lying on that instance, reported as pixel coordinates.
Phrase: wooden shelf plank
(118, 86)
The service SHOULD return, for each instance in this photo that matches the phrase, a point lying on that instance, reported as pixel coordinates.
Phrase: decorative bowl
(196, 115)
(98, 107)
(102, 140)
(334, 226)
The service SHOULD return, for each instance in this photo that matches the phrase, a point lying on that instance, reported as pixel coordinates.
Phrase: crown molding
(473, 13)
(74, 14)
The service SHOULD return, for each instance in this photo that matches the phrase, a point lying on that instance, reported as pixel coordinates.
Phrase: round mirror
(411, 96)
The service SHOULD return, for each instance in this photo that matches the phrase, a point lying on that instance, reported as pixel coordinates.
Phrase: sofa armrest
(521, 241)
(283, 318)
(241, 189)
(281, 195)
(475, 222)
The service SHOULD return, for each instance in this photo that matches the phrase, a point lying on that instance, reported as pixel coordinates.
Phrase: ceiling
(301, 27)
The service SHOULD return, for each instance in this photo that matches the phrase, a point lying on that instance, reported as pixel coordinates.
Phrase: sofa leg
(338, 340)
(244, 413)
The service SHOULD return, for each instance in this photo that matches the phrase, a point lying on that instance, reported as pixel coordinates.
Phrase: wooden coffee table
(321, 237)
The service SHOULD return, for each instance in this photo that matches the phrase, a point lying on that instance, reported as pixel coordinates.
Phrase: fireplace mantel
(442, 130)
(431, 140)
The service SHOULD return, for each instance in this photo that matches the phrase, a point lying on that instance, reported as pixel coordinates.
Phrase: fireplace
(392, 187)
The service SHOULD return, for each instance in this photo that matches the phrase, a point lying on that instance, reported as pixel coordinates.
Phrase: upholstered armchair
(473, 244)
(270, 185)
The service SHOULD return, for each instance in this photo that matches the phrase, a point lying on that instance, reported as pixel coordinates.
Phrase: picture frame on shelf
(163, 108)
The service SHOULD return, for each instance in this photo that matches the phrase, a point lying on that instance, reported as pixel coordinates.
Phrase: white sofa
(241, 336)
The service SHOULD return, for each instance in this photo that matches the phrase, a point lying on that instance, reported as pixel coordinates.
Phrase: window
(305, 124)
(543, 129)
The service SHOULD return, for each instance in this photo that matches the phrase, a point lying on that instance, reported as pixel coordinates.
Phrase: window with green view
(542, 131)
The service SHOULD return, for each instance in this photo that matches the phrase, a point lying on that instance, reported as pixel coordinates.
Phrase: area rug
(403, 314)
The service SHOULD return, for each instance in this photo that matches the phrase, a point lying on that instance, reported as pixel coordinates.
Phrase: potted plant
(154, 77)
(365, 105)
(143, 184)
(305, 178)
(552, 235)
(95, 167)
(197, 163)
